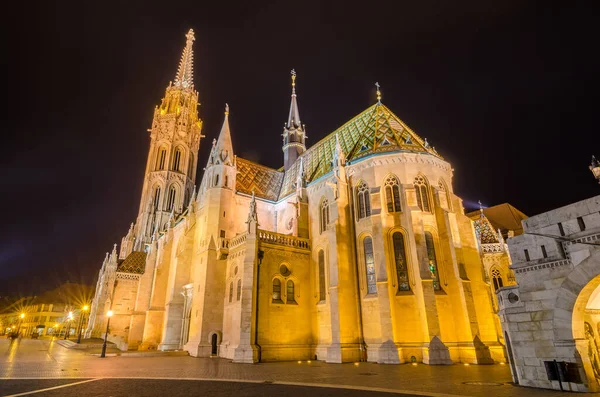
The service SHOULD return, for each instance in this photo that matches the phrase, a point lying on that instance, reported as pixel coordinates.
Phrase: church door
(213, 342)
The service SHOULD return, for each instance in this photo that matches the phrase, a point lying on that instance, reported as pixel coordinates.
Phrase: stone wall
(557, 265)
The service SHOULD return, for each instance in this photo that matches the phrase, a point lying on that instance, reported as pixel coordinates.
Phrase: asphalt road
(171, 388)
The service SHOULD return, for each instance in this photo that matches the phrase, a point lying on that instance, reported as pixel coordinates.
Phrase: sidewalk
(47, 359)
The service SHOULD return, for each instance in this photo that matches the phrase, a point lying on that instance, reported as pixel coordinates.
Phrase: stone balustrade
(283, 239)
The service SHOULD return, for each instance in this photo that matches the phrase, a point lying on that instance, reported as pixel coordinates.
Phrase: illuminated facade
(356, 249)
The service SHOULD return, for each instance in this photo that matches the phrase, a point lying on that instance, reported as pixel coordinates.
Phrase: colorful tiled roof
(376, 130)
(485, 231)
(265, 181)
(134, 263)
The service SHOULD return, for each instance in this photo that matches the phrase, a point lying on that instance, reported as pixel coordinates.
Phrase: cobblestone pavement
(46, 359)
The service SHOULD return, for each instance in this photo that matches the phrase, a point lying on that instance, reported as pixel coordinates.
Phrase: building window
(239, 289)
(362, 197)
(526, 255)
(276, 291)
(191, 166)
(156, 198)
(400, 261)
(177, 160)
(432, 261)
(230, 292)
(321, 276)
(581, 223)
(225, 180)
(171, 200)
(444, 188)
(422, 191)
(497, 278)
(561, 229)
(544, 253)
(392, 194)
(324, 221)
(370, 266)
(161, 158)
(290, 292)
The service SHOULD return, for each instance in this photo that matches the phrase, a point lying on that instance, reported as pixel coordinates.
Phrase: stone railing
(492, 248)
(283, 239)
(545, 265)
(237, 240)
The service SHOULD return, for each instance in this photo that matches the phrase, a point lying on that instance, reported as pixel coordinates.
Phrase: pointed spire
(481, 208)
(294, 117)
(378, 92)
(339, 155)
(224, 147)
(252, 215)
(184, 78)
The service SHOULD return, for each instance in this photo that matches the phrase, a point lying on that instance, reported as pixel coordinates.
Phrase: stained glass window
(364, 204)
(392, 194)
(422, 191)
(370, 266)
(324, 215)
(400, 261)
(239, 289)
(432, 261)
(497, 278)
(321, 275)
(290, 292)
(276, 290)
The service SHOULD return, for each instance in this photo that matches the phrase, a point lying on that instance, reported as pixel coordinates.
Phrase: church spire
(222, 150)
(293, 131)
(184, 77)
(294, 116)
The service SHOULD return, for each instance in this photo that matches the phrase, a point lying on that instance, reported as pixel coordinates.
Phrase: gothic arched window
(400, 261)
(392, 194)
(191, 166)
(177, 160)
(156, 198)
(363, 200)
(171, 199)
(230, 292)
(161, 158)
(321, 276)
(324, 218)
(422, 191)
(276, 290)
(239, 289)
(290, 292)
(370, 266)
(497, 278)
(432, 261)
(217, 180)
(444, 188)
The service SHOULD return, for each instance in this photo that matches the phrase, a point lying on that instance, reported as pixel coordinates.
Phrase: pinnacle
(185, 77)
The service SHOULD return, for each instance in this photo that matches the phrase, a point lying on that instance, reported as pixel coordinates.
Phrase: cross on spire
(378, 92)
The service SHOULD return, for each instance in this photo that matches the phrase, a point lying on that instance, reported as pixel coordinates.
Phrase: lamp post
(595, 168)
(83, 310)
(69, 318)
(109, 315)
(21, 317)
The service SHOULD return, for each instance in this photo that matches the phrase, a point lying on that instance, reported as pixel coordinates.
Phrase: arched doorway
(586, 323)
(213, 344)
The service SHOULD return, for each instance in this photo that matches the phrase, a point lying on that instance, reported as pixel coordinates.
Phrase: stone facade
(357, 249)
(552, 312)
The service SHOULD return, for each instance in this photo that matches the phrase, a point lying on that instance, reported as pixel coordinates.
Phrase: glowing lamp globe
(109, 313)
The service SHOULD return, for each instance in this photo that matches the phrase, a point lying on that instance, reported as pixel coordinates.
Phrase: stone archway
(569, 320)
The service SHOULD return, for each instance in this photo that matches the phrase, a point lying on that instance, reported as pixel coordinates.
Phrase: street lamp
(69, 318)
(595, 168)
(109, 315)
(21, 317)
(82, 313)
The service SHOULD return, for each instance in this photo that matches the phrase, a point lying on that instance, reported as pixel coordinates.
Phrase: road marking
(324, 385)
(53, 388)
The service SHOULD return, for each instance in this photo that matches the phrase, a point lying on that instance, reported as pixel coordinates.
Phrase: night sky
(504, 90)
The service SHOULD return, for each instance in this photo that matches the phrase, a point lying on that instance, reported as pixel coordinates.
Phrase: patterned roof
(485, 231)
(134, 263)
(376, 130)
(265, 181)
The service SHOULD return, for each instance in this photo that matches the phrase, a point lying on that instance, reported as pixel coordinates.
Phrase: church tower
(174, 141)
(293, 132)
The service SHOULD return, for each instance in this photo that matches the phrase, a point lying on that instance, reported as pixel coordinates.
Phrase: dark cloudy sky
(505, 90)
